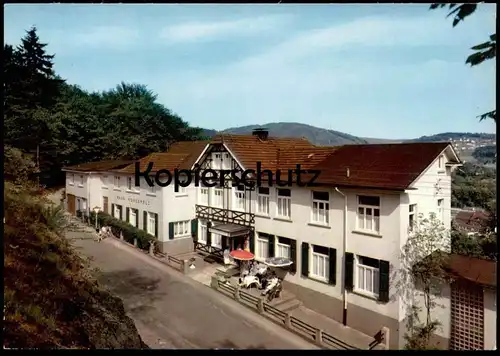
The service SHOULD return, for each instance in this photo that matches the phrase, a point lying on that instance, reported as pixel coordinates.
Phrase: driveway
(173, 311)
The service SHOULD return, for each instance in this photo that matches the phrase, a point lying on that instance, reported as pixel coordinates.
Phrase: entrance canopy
(230, 230)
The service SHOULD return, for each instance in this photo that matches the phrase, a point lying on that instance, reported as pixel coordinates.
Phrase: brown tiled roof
(483, 272)
(250, 149)
(378, 166)
(99, 166)
(472, 220)
(181, 155)
(384, 166)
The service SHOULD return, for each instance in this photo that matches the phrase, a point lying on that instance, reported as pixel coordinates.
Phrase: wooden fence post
(214, 282)
(260, 306)
(319, 337)
(184, 266)
(237, 294)
(386, 337)
(288, 321)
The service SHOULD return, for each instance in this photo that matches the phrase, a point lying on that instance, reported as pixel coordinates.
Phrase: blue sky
(387, 71)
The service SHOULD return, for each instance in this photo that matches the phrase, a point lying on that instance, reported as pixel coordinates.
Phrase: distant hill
(325, 137)
(449, 136)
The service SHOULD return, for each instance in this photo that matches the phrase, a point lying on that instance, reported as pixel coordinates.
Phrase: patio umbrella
(278, 262)
(242, 255)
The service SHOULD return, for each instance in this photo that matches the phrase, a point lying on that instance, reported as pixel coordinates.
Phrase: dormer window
(441, 166)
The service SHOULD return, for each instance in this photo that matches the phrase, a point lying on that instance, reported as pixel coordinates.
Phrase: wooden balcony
(225, 215)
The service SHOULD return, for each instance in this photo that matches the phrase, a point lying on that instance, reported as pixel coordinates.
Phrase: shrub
(129, 232)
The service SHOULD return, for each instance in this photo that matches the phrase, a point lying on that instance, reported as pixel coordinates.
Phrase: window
(217, 202)
(133, 217)
(117, 211)
(367, 275)
(216, 162)
(129, 183)
(321, 208)
(151, 224)
(412, 217)
(216, 240)
(239, 198)
(226, 161)
(441, 163)
(202, 237)
(320, 264)
(204, 196)
(284, 203)
(181, 190)
(440, 212)
(81, 181)
(117, 182)
(262, 248)
(71, 179)
(104, 182)
(369, 213)
(283, 247)
(182, 228)
(263, 201)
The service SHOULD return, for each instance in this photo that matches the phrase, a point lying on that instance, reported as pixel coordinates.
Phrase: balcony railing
(225, 215)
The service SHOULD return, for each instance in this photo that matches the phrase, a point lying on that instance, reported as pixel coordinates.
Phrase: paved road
(173, 311)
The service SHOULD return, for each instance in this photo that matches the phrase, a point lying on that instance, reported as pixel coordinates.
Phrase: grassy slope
(51, 299)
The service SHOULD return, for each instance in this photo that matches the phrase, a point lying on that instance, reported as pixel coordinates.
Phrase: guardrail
(291, 323)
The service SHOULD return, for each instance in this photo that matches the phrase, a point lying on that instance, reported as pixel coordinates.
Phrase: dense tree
(482, 52)
(486, 154)
(67, 125)
(474, 186)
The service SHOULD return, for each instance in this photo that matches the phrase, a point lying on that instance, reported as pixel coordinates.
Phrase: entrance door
(105, 205)
(71, 203)
(467, 317)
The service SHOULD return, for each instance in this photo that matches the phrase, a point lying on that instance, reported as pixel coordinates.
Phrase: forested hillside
(59, 124)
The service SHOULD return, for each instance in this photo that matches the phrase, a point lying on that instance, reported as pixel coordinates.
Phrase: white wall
(78, 188)
(300, 228)
(178, 206)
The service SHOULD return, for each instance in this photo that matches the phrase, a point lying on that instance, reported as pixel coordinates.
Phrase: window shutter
(145, 221)
(349, 269)
(305, 259)
(137, 218)
(383, 294)
(251, 241)
(293, 255)
(332, 260)
(270, 245)
(156, 225)
(121, 212)
(209, 234)
(171, 231)
(127, 214)
(113, 210)
(194, 229)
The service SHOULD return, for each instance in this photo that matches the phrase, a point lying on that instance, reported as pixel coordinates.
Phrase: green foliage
(118, 226)
(18, 167)
(486, 154)
(421, 275)
(61, 124)
(55, 217)
(474, 186)
(483, 52)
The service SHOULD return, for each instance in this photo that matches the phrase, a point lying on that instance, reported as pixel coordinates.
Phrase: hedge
(129, 232)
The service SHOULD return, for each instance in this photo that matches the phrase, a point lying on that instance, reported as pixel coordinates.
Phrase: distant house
(472, 222)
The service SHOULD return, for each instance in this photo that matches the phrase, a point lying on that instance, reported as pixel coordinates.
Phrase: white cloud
(108, 36)
(372, 32)
(196, 31)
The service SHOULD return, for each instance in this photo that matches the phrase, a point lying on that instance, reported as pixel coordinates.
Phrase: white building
(344, 235)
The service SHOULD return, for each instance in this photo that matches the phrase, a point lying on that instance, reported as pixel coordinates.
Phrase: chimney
(261, 133)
